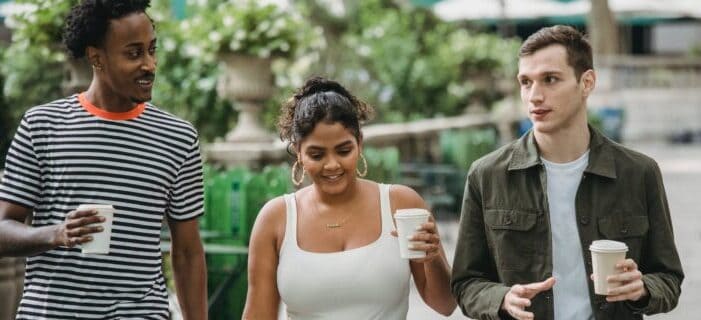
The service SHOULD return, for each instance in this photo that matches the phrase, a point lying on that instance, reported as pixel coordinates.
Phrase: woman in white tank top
(328, 251)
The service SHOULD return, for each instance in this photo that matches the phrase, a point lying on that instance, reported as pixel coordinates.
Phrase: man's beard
(139, 101)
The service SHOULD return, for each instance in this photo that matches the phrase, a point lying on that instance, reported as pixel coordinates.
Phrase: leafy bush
(248, 27)
(410, 64)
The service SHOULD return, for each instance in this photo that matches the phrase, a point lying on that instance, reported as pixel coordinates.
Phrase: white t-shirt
(571, 292)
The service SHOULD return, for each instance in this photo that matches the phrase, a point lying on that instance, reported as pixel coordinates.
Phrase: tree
(602, 29)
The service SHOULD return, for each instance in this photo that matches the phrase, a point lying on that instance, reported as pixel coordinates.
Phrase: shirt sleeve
(21, 181)
(660, 264)
(186, 196)
(474, 280)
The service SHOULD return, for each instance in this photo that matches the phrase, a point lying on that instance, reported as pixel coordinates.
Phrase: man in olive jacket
(532, 208)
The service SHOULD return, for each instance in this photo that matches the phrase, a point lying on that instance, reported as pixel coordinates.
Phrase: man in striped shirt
(107, 145)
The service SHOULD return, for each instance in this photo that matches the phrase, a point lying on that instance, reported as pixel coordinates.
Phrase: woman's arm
(263, 298)
(432, 273)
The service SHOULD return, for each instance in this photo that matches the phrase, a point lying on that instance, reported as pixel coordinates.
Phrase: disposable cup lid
(95, 206)
(411, 213)
(608, 246)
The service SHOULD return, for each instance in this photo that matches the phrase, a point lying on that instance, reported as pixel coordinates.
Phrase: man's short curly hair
(87, 22)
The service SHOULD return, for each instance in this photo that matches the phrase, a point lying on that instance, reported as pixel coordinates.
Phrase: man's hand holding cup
(77, 228)
(627, 284)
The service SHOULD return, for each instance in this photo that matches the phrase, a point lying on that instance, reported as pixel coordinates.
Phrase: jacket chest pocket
(513, 237)
(629, 229)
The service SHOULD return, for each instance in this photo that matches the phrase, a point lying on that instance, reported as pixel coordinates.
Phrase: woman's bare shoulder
(271, 219)
(402, 197)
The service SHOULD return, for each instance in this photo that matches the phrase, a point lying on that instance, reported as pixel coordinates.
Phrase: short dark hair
(579, 54)
(321, 100)
(87, 22)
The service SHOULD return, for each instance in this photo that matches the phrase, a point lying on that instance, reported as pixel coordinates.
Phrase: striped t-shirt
(145, 162)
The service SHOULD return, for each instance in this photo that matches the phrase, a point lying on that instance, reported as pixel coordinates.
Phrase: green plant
(408, 63)
(248, 27)
(32, 63)
(40, 22)
(185, 84)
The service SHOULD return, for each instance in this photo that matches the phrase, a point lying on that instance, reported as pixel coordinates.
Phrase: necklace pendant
(333, 225)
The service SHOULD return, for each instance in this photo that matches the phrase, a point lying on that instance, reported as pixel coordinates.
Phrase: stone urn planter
(246, 81)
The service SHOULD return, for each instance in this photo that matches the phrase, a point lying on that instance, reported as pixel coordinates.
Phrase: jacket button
(584, 220)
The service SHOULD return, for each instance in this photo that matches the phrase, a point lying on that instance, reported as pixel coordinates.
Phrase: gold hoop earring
(365, 167)
(297, 182)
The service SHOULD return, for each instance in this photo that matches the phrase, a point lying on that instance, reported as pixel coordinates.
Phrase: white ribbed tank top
(369, 282)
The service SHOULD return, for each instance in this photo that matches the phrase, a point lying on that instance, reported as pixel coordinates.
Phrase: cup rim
(96, 206)
(411, 213)
(606, 246)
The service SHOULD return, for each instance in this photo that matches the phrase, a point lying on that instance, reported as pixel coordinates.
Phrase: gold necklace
(332, 225)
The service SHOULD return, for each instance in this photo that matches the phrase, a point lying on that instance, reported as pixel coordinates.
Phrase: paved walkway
(681, 168)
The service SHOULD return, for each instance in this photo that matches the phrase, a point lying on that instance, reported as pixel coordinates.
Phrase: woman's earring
(363, 173)
(297, 182)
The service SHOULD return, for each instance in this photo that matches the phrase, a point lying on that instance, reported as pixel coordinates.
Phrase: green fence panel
(235, 198)
(228, 218)
(279, 181)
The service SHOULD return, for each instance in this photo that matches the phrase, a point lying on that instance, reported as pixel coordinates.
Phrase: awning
(572, 11)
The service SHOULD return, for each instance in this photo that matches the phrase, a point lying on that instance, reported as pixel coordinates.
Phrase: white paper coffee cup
(100, 243)
(605, 254)
(407, 221)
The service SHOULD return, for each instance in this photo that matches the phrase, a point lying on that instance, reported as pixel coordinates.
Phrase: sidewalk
(681, 169)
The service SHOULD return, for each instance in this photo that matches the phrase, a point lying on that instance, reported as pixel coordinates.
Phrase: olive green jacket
(504, 236)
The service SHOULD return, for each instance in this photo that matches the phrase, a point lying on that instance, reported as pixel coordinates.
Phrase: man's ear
(588, 82)
(94, 57)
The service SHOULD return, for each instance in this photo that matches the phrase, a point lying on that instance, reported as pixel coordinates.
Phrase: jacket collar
(525, 154)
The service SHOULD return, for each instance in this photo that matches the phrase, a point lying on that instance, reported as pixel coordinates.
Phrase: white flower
(192, 50)
(240, 35)
(169, 44)
(284, 46)
(206, 84)
(215, 36)
(234, 45)
(364, 51)
(264, 53)
(263, 26)
(228, 21)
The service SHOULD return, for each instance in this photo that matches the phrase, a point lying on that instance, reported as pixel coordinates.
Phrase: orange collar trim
(101, 113)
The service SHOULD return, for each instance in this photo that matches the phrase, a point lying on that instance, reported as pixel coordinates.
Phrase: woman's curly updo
(87, 22)
(321, 100)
